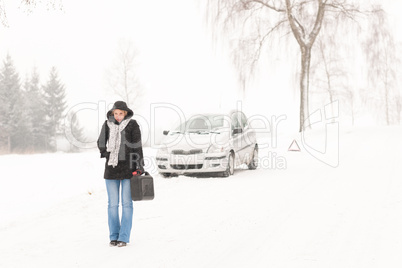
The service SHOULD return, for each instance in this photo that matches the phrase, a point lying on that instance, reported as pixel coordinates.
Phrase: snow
(305, 214)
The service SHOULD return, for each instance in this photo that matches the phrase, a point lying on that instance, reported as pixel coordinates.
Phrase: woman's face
(119, 115)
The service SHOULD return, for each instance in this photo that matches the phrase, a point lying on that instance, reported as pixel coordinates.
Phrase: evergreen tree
(11, 108)
(36, 113)
(74, 132)
(55, 105)
(22, 131)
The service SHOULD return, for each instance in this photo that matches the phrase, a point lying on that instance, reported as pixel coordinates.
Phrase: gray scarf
(114, 142)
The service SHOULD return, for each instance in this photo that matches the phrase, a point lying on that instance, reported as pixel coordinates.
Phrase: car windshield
(201, 124)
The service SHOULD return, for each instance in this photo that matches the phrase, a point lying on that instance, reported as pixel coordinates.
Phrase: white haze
(177, 63)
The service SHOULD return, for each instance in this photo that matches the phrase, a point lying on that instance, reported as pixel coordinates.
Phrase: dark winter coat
(130, 154)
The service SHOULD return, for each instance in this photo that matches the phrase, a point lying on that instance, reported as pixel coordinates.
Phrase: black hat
(121, 105)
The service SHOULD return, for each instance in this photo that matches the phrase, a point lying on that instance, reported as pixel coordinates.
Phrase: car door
(236, 136)
(248, 139)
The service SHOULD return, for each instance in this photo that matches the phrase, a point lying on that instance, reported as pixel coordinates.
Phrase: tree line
(31, 113)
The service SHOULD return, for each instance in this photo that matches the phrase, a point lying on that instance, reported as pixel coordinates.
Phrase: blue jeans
(119, 231)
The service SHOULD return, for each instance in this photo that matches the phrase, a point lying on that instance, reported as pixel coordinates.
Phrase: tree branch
(318, 22)
(262, 40)
(295, 26)
(267, 5)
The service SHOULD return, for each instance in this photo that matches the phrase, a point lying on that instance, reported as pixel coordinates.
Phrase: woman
(120, 143)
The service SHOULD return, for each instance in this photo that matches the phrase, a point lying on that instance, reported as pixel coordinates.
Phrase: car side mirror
(237, 131)
(165, 132)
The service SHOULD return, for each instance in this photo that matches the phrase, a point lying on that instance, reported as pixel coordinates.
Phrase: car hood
(188, 141)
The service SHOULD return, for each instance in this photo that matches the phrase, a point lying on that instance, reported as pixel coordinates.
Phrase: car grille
(183, 152)
(199, 166)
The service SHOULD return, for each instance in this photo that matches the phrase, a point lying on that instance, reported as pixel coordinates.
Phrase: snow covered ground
(301, 214)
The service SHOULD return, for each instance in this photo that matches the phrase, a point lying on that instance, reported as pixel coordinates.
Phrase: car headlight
(215, 149)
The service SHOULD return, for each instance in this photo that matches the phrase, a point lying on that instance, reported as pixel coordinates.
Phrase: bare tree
(49, 4)
(259, 20)
(330, 72)
(28, 6)
(382, 92)
(122, 77)
(398, 104)
(325, 72)
(3, 15)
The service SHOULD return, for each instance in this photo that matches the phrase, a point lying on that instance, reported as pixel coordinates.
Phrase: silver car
(208, 143)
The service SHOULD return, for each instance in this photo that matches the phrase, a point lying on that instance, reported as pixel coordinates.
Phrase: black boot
(113, 243)
(121, 244)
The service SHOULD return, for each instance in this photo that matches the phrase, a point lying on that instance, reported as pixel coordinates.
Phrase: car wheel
(230, 168)
(254, 161)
